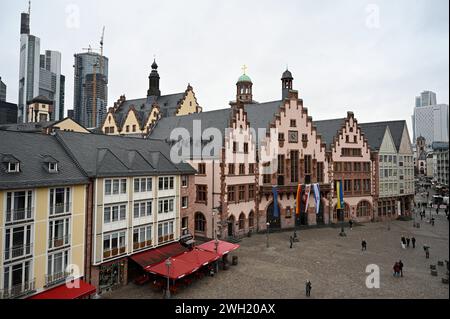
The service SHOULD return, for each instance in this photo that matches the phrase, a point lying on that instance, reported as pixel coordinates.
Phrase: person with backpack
(413, 241)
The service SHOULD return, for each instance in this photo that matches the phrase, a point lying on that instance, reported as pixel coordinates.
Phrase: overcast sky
(370, 57)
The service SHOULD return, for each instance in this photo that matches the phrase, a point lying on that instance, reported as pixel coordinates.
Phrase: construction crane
(94, 91)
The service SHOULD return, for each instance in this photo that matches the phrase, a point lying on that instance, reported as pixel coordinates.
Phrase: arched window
(251, 219)
(363, 209)
(241, 221)
(200, 222)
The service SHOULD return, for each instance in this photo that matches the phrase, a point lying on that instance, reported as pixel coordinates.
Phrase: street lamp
(216, 241)
(168, 264)
(341, 214)
(267, 234)
(389, 219)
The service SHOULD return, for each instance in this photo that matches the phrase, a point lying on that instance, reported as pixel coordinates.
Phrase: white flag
(317, 196)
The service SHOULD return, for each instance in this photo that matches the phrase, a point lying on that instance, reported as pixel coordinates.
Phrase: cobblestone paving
(335, 265)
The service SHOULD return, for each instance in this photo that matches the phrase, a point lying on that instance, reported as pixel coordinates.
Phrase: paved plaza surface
(335, 265)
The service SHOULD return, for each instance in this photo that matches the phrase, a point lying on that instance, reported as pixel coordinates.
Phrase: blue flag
(276, 213)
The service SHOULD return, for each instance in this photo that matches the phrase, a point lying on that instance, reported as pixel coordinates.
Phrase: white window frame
(121, 214)
(166, 205)
(13, 167)
(142, 212)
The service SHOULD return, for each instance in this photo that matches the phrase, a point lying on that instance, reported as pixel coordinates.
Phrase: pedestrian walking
(403, 242)
(396, 269)
(437, 211)
(432, 221)
(427, 251)
(413, 241)
(291, 241)
(400, 264)
(407, 241)
(351, 224)
(363, 245)
(308, 288)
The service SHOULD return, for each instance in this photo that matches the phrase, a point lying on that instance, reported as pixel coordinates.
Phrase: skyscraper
(38, 74)
(430, 120)
(51, 82)
(2, 90)
(426, 98)
(86, 65)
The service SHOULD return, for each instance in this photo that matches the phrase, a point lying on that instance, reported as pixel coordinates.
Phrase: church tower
(286, 83)
(153, 79)
(244, 89)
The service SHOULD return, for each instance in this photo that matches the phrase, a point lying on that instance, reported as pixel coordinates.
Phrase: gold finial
(244, 68)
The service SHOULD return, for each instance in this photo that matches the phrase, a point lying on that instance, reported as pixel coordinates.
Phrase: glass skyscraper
(83, 96)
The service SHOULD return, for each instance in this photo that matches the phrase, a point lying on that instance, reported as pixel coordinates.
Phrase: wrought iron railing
(56, 278)
(60, 208)
(58, 241)
(18, 290)
(18, 251)
(17, 215)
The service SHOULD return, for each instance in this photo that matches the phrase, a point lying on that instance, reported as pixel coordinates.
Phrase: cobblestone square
(335, 265)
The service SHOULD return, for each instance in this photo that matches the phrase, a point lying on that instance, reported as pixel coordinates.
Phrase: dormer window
(53, 167)
(13, 167)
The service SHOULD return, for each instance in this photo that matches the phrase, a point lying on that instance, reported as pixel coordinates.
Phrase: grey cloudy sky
(371, 57)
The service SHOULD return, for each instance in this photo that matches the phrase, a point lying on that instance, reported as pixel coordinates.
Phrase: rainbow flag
(339, 195)
(298, 199)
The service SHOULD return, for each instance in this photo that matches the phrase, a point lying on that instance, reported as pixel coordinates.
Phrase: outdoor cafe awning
(156, 255)
(223, 247)
(78, 289)
(183, 264)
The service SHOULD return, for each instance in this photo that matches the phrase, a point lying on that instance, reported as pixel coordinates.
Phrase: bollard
(445, 281)
(433, 267)
(440, 263)
(434, 273)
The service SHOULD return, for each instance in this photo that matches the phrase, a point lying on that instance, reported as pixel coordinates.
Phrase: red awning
(80, 289)
(156, 255)
(223, 248)
(184, 264)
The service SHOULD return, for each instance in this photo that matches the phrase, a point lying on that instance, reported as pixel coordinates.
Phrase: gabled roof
(328, 129)
(106, 155)
(374, 133)
(168, 105)
(31, 150)
(37, 126)
(259, 115)
(395, 127)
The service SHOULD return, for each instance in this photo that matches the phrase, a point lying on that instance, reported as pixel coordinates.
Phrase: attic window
(53, 167)
(13, 167)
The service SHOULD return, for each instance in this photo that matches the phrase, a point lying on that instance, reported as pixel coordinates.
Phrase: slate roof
(104, 155)
(27, 127)
(259, 115)
(168, 105)
(328, 129)
(374, 133)
(396, 128)
(33, 151)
